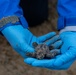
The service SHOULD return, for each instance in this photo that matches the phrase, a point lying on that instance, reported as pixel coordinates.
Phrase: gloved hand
(21, 39)
(62, 61)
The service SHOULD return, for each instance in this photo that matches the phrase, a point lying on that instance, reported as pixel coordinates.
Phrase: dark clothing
(35, 11)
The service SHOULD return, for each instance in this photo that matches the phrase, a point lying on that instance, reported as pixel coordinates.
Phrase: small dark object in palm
(43, 51)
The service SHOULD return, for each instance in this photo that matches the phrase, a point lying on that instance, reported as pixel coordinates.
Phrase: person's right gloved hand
(62, 61)
(21, 39)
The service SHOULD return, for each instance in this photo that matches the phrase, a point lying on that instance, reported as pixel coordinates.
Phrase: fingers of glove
(66, 57)
(25, 47)
(46, 36)
(52, 40)
(56, 50)
(57, 44)
(29, 60)
(43, 63)
(39, 63)
(47, 64)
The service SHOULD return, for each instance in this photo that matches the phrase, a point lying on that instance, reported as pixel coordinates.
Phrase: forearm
(11, 8)
(67, 14)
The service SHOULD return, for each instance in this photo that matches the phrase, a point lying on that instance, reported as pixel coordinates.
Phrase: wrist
(12, 29)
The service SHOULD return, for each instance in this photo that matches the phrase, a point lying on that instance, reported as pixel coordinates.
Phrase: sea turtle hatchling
(43, 51)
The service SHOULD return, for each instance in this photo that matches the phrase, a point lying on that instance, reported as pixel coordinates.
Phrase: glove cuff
(68, 28)
(12, 20)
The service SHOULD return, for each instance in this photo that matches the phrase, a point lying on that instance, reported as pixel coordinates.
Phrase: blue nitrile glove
(60, 62)
(21, 39)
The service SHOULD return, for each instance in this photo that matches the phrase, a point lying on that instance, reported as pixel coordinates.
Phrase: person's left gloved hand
(60, 62)
(21, 39)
